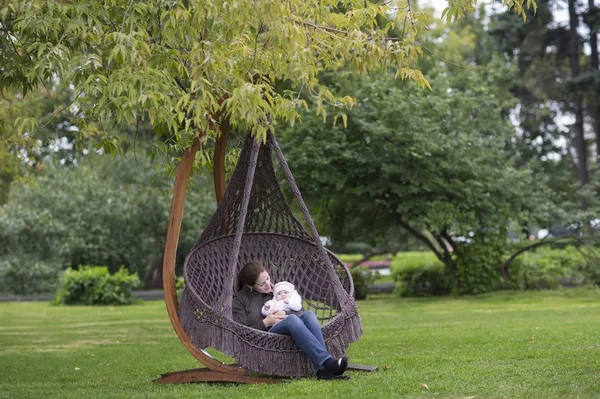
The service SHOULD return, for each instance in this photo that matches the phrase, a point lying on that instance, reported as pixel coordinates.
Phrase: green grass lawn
(505, 345)
(384, 279)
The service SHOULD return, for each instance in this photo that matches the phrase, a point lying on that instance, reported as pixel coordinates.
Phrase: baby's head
(283, 290)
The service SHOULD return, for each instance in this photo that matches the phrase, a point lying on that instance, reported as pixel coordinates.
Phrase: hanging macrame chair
(328, 292)
(253, 222)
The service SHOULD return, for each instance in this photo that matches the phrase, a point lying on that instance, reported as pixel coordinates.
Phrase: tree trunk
(448, 261)
(597, 129)
(578, 133)
(594, 60)
(444, 256)
(595, 68)
(154, 275)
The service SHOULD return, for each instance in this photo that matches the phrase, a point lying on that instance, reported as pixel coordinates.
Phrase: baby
(285, 298)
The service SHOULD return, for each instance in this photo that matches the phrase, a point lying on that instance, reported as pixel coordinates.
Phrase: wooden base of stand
(208, 375)
(360, 367)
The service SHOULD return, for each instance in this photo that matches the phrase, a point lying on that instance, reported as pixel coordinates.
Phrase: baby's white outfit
(295, 301)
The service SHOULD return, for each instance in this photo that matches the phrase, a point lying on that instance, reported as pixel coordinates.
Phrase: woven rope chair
(253, 222)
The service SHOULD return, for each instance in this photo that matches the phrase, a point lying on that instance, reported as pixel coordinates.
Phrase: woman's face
(263, 283)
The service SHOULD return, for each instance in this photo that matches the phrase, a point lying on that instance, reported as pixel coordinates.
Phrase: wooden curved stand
(215, 370)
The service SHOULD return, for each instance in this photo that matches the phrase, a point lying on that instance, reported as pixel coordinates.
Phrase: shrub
(102, 212)
(593, 270)
(25, 276)
(350, 259)
(94, 285)
(362, 277)
(548, 268)
(419, 274)
(180, 283)
(478, 263)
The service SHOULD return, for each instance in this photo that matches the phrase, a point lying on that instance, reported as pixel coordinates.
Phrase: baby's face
(281, 295)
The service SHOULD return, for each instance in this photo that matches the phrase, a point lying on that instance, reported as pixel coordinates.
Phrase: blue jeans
(305, 330)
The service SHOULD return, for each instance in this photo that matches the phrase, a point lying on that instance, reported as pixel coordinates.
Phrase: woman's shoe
(329, 375)
(343, 365)
(336, 366)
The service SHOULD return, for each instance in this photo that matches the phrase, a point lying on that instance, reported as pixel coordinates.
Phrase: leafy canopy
(429, 162)
(430, 159)
(104, 211)
(179, 64)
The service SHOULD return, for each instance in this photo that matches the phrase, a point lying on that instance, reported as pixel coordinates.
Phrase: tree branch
(255, 50)
(369, 254)
(446, 236)
(125, 15)
(421, 237)
(440, 57)
(325, 28)
(180, 84)
(504, 266)
(60, 111)
(343, 32)
(448, 261)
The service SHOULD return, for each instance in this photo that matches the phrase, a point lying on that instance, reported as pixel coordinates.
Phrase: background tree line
(485, 158)
(486, 152)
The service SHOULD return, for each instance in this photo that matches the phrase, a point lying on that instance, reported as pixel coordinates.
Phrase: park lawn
(503, 345)
(384, 278)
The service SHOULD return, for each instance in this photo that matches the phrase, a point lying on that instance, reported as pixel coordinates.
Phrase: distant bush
(94, 285)
(105, 211)
(478, 263)
(420, 274)
(362, 277)
(548, 268)
(350, 259)
(179, 285)
(25, 276)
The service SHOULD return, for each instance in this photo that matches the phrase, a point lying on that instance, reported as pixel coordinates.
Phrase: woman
(253, 291)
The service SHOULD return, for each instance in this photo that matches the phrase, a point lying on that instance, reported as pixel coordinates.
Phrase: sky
(561, 13)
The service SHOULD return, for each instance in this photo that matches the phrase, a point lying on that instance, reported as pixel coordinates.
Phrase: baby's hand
(287, 301)
(279, 314)
(267, 307)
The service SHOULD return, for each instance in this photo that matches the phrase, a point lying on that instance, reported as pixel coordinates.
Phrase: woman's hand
(274, 318)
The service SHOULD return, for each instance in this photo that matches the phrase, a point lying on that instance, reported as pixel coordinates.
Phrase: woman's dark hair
(249, 274)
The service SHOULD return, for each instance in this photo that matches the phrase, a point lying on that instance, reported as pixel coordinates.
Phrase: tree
(592, 19)
(432, 163)
(98, 212)
(539, 47)
(20, 151)
(558, 102)
(580, 146)
(553, 84)
(181, 64)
